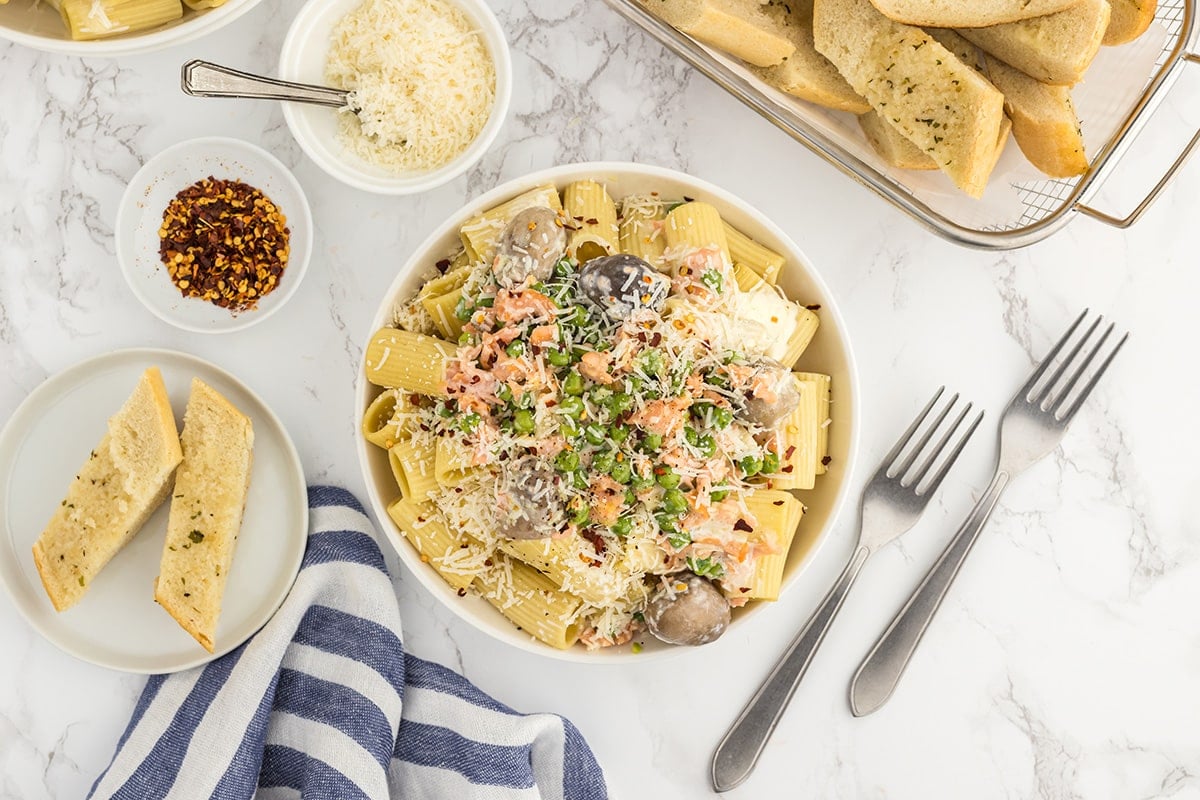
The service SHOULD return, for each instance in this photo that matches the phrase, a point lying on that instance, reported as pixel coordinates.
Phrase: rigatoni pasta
(617, 425)
(97, 19)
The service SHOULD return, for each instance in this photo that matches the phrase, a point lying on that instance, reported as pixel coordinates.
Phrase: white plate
(38, 25)
(316, 128)
(117, 624)
(830, 353)
(154, 186)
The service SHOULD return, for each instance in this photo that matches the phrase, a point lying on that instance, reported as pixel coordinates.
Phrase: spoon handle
(205, 79)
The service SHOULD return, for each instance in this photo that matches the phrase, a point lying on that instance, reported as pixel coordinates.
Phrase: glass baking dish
(1021, 206)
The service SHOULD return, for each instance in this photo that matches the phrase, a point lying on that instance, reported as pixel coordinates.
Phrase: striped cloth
(325, 703)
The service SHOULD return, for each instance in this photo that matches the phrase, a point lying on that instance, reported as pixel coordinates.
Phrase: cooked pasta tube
(640, 229)
(200, 5)
(593, 215)
(778, 514)
(698, 225)
(744, 250)
(422, 526)
(806, 328)
(532, 602)
(414, 362)
(798, 439)
(452, 465)
(747, 279)
(378, 426)
(398, 472)
(479, 235)
(418, 463)
(824, 398)
(96, 19)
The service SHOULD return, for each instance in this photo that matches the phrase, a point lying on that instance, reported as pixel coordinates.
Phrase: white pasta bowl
(315, 128)
(829, 353)
(39, 25)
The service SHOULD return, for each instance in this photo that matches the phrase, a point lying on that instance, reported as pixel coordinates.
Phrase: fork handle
(738, 752)
(880, 671)
(205, 79)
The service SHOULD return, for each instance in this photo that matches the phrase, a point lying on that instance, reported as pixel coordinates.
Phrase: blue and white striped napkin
(325, 703)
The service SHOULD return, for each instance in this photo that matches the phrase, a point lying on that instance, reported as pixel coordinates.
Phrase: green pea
(603, 461)
(445, 411)
(516, 348)
(690, 434)
(571, 406)
(652, 443)
(567, 461)
(463, 310)
(579, 316)
(581, 515)
(505, 393)
(751, 466)
(666, 523)
(630, 498)
(770, 463)
(573, 385)
(718, 495)
(618, 433)
(486, 302)
(563, 269)
(717, 379)
(639, 483)
(706, 445)
(619, 403)
(464, 338)
(622, 526)
(469, 422)
(667, 477)
(580, 480)
(595, 434)
(722, 418)
(621, 473)
(559, 358)
(600, 395)
(674, 502)
(523, 421)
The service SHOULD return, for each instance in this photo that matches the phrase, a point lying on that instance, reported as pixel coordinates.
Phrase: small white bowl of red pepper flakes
(214, 235)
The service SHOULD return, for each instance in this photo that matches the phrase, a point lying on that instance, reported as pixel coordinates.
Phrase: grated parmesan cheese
(420, 79)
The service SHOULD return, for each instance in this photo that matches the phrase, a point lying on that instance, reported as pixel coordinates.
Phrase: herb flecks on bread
(943, 106)
(206, 512)
(124, 479)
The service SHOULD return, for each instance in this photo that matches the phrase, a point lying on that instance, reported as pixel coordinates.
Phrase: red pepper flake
(825, 461)
(593, 221)
(443, 265)
(462, 592)
(225, 242)
(790, 452)
(777, 503)
(742, 525)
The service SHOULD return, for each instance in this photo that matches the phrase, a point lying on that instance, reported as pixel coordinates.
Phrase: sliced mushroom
(691, 612)
(622, 284)
(773, 394)
(531, 245)
(530, 504)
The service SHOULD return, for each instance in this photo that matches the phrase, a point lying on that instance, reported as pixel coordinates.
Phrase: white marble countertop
(1064, 664)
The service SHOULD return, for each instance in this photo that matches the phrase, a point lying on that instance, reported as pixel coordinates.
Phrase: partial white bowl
(829, 353)
(39, 26)
(152, 189)
(303, 58)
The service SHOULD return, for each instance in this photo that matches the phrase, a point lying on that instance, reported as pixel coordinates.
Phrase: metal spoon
(205, 79)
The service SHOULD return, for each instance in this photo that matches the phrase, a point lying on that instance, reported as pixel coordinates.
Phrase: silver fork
(891, 504)
(1032, 426)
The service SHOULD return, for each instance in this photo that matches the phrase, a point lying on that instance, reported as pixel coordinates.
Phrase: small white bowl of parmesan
(430, 83)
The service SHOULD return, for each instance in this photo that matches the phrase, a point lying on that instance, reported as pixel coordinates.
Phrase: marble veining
(1063, 665)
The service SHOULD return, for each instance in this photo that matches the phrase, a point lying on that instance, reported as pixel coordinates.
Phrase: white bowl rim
(432, 582)
(298, 271)
(480, 13)
(204, 23)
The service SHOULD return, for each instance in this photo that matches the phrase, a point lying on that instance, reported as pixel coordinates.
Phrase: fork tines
(1061, 393)
(912, 462)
